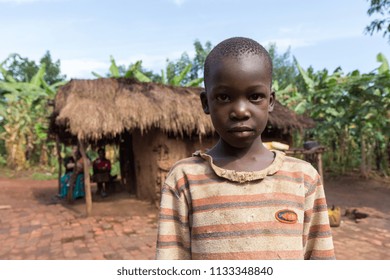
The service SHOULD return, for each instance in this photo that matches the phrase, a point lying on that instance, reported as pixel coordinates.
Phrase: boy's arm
(173, 240)
(317, 238)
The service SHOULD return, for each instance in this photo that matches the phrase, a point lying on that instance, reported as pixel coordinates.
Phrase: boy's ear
(271, 102)
(205, 103)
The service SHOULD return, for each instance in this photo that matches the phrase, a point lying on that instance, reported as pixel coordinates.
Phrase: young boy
(240, 200)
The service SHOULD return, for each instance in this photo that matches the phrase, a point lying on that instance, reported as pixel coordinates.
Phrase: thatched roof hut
(155, 125)
(104, 108)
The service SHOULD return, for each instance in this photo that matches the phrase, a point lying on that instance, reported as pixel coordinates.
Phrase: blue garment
(78, 189)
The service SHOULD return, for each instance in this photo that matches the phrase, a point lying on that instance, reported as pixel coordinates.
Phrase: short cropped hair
(236, 47)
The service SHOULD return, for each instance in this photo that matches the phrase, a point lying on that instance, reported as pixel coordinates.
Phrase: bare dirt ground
(367, 238)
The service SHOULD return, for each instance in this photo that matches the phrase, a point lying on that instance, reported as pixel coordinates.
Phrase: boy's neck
(252, 158)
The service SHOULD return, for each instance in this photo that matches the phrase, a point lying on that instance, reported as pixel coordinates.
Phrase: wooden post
(319, 164)
(87, 182)
(58, 146)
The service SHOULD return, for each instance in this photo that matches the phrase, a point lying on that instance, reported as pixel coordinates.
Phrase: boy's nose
(240, 111)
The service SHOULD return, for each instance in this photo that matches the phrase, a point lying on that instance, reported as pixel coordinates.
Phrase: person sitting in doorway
(101, 172)
(73, 165)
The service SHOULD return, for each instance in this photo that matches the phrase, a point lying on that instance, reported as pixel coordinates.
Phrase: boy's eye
(223, 98)
(256, 97)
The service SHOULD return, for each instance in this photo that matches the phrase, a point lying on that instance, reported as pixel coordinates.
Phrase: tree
(176, 69)
(53, 69)
(284, 70)
(382, 24)
(186, 71)
(201, 53)
(22, 69)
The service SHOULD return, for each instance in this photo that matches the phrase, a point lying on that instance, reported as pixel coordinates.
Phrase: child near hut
(240, 200)
(101, 172)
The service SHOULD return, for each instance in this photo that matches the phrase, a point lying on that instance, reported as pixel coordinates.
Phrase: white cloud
(285, 43)
(83, 68)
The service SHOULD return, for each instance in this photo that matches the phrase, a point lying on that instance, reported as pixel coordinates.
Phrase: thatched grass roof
(104, 108)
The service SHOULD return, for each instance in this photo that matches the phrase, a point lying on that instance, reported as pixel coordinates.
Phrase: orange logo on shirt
(286, 216)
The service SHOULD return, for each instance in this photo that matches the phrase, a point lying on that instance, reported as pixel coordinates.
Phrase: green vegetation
(352, 114)
(186, 71)
(24, 93)
(134, 71)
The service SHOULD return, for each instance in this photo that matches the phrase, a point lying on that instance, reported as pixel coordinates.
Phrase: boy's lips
(240, 129)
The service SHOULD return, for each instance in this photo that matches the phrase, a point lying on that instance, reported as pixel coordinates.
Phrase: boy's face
(238, 99)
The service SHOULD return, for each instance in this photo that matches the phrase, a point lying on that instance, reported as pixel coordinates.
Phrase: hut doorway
(127, 167)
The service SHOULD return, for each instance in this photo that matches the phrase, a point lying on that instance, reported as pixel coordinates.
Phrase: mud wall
(154, 154)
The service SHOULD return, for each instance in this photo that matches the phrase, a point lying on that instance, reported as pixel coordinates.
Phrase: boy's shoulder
(185, 169)
(292, 165)
(193, 164)
(295, 161)
(188, 162)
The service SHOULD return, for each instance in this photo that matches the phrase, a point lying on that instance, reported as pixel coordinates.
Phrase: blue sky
(84, 33)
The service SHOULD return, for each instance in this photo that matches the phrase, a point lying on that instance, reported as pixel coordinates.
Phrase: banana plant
(134, 71)
(384, 67)
(23, 115)
(178, 79)
(349, 113)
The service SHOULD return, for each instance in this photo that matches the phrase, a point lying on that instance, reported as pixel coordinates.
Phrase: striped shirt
(208, 212)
